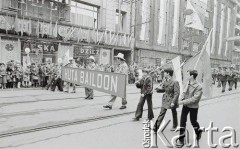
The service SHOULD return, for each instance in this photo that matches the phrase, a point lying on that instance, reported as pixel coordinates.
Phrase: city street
(40, 119)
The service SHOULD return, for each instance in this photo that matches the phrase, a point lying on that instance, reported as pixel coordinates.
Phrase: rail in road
(86, 120)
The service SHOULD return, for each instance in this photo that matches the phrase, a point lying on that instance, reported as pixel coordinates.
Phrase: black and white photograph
(119, 74)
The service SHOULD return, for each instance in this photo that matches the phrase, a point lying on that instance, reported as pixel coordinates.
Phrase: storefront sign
(85, 50)
(111, 83)
(40, 47)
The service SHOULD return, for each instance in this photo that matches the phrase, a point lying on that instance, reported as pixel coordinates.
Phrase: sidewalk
(38, 108)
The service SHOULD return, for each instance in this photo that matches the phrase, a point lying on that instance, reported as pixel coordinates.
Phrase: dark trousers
(224, 83)
(230, 84)
(57, 83)
(193, 118)
(235, 83)
(142, 100)
(162, 115)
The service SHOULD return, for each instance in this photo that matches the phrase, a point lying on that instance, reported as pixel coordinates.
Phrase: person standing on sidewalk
(121, 68)
(91, 66)
(72, 65)
(190, 100)
(171, 90)
(146, 86)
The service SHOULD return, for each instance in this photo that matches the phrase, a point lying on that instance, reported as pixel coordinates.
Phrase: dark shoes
(107, 107)
(123, 107)
(179, 144)
(199, 135)
(135, 119)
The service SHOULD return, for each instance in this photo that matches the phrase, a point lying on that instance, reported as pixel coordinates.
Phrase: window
(122, 19)
(84, 15)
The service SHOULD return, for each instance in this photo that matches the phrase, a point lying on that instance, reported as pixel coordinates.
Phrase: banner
(4, 24)
(10, 50)
(111, 83)
(178, 72)
(45, 28)
(24, 26)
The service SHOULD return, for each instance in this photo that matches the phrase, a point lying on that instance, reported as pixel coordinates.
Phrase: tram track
(82, 121)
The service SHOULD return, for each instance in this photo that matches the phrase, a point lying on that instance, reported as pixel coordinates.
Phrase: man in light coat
(190, 100)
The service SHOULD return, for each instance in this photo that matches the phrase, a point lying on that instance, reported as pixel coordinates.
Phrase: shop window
(84, 14)
(122, 19)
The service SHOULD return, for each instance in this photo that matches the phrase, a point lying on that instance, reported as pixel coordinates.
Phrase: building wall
(60, 19)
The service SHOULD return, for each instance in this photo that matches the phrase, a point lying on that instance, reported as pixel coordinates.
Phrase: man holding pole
(121, 68)
(91, 66)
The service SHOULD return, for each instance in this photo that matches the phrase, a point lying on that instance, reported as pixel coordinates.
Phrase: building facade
(167, 28)
(58, 29)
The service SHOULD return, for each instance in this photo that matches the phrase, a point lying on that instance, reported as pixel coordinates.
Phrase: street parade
(114, 74)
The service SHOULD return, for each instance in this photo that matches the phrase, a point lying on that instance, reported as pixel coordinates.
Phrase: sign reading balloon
(111, 83)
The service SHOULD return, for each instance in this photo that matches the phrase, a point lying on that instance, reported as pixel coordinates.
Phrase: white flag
(193, 20)
(178, 72)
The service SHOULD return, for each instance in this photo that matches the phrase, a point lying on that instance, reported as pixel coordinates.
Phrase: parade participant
(3, 76)
(219, 75)
(214, 75)
(230, 78)
(171, 90)
(146, 86)
(72, 65)
(190, 100)
(91, 66)
(121, 68)
(223, 79)
(235, 78)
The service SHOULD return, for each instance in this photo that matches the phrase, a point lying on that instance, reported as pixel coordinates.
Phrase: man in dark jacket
(171, 91)
(190, 101)
(146, 86)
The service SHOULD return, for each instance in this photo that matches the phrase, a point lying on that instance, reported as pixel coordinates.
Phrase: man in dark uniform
(219, 75)
(146, 86)
(235, 78)
(230, 78)
(223, 78)
(171, 91)
(214, 75)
